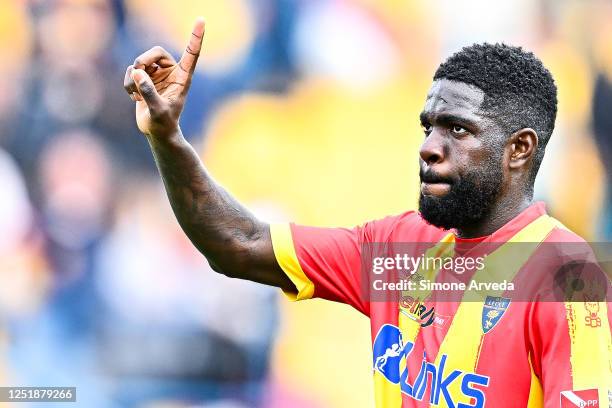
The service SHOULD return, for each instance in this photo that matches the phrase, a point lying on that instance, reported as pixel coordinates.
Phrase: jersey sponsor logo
(420, 313)
(492, 312)
(389, 350)
(582, 399)
(440, 320)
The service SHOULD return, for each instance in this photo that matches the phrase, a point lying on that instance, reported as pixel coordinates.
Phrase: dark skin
(234, 241)
(459, 137)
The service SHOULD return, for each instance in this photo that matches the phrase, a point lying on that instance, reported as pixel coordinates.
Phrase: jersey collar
(508, 230)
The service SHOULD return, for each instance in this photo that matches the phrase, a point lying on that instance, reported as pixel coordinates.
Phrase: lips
(436, 189)
(433, 183)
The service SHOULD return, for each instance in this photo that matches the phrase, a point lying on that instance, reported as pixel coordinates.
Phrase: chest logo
(492, 312)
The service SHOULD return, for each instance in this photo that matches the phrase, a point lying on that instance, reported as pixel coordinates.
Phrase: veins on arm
(233, 240)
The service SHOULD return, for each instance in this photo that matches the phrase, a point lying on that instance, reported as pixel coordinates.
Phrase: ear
(522, 145)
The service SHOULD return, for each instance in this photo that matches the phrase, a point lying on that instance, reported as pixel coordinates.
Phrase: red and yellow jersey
(497, 352)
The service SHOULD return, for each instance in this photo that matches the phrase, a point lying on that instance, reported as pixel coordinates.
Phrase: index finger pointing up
(192, 52)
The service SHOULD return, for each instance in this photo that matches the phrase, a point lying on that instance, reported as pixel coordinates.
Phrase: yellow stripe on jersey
(386, 393)
(284, 251)
(536, 394)
(464, 338)
(462, 345)
(442, 249)
(408, 324)
(591, 346)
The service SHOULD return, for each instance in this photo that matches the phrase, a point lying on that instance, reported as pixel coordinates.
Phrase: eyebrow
(446, 119)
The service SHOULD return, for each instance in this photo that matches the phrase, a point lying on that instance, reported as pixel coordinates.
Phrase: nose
(432, 149)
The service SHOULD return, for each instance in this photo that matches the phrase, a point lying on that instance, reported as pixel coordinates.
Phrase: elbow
(214, 266)
(234, 262)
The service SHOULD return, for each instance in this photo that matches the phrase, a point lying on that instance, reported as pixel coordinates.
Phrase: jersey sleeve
(570, 341)
(571, 350)
(327, 262)
(321, 262)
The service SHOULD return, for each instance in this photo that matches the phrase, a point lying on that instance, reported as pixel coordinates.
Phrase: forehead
(454, 98)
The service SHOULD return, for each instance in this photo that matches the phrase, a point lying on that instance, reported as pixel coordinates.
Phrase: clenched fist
(159, 85)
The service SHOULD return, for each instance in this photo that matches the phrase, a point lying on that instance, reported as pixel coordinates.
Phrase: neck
(503, 210)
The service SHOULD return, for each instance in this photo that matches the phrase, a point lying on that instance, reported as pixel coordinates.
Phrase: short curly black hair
(519, 91)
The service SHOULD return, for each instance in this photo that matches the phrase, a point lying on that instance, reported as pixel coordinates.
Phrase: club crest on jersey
(492, 312)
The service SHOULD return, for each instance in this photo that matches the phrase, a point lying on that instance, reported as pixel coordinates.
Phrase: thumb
(146, 89)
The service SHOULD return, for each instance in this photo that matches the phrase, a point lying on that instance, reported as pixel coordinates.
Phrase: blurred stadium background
(306, 110)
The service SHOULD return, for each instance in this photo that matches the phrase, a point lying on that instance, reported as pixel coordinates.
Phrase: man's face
(461, 157)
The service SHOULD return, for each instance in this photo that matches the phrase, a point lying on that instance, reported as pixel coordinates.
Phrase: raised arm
(235, 242)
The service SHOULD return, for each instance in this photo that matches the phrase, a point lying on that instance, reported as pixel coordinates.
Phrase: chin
(435, 210)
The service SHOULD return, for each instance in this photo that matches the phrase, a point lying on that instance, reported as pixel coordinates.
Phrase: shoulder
(569, 266)
(562, 234)
(566, 246)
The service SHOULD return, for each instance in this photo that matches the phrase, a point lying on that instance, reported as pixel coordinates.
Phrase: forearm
(231, 238)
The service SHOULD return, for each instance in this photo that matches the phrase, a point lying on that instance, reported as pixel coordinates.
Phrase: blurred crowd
(306, 110)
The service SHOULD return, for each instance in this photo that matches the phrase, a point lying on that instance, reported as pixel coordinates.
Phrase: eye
(426, 128)
(458, 130)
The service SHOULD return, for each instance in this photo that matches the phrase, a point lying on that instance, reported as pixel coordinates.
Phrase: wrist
(171, 136)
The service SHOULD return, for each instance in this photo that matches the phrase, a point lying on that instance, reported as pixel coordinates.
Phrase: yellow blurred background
(305, 111)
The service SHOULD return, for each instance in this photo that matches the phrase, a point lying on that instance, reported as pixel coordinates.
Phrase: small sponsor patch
(582, 399)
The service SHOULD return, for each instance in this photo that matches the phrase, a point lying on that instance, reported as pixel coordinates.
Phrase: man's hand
(159, 85)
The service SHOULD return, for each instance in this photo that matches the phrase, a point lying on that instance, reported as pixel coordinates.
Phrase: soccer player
(487, 119)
